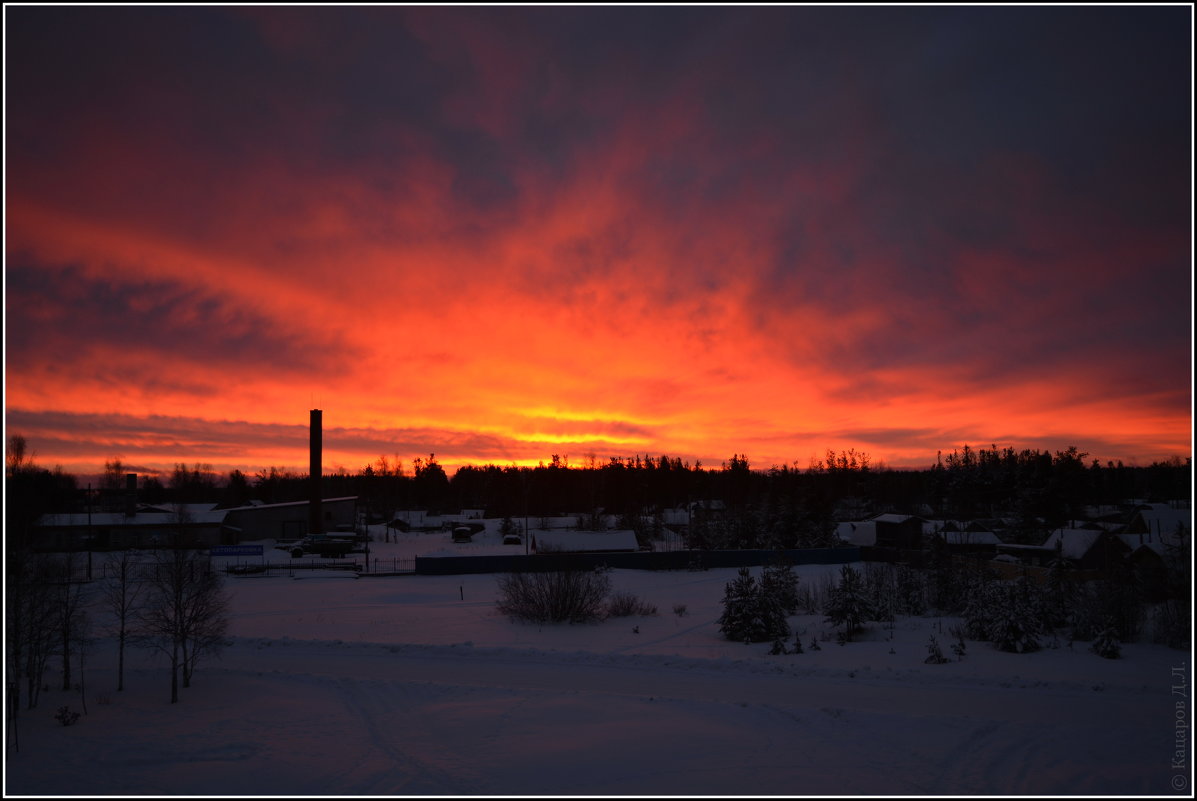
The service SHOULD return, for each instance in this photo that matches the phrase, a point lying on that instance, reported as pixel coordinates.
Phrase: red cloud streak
(512, 253)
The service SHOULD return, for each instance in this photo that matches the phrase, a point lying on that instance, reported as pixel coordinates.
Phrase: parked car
(321, 546)
(464, 532)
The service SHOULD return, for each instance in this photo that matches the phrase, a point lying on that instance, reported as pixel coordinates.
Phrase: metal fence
(289, 568)
(634, 560)
(391, 566)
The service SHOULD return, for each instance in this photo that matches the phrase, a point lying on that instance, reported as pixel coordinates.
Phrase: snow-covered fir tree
(980, 608)
(912, 591)
(880, 589)
(958, 647)
(1107, 644)
(749, 613)
(1017, 622)
(739, 607)
(934, 654)
(780, 581)
(847, 605)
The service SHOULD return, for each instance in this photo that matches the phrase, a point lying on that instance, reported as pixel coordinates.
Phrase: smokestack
(130, 494)
(315, 519)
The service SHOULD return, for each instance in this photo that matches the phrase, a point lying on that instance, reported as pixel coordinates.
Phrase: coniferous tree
(739, 602)
(959, 647)
(934, 654)
(772, 613)
(847, 605)
(749, 613)
(1059, 595)
(1017, 622)
(1107, 643)
(911, 591)
(779, 581)
(980, 608)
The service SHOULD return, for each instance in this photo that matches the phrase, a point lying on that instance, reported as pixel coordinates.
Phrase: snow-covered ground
(415, 685)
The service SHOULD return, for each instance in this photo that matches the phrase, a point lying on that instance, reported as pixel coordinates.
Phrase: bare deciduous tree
(69, 598)
(30, 620)
(121, 594)
(186, 611)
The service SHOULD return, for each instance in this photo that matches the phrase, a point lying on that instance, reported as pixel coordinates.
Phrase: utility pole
(90, 533)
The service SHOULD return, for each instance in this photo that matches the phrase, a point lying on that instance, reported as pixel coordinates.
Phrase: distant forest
(1040, 490)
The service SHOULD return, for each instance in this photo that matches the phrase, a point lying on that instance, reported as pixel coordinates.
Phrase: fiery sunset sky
(497, 234)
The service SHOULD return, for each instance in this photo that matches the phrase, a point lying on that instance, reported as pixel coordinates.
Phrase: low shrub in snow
(573, 596)
(625, 604)
(65, 716)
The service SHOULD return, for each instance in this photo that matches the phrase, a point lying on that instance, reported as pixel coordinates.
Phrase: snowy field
(415, 685)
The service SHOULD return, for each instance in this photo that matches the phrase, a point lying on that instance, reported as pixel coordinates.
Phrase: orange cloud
(498, 235)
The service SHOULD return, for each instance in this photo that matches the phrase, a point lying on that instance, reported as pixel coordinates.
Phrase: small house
(1086, 548)
(899, 531)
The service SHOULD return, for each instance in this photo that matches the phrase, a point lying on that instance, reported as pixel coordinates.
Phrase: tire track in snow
(377, 703)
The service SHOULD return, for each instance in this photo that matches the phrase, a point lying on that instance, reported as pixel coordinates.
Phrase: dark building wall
(286, 522)
(110, 537)
(907, 534)
(1107, 553)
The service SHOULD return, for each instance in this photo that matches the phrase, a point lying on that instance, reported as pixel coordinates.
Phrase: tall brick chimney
(315, 518)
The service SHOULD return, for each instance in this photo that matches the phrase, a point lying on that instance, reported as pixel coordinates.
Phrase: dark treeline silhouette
(780, 505)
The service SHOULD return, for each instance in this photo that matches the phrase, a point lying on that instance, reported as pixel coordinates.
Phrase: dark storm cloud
(62, 315)
(226, 442)
(1030, 137)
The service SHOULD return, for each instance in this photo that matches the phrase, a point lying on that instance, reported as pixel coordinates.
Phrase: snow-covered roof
(574, 541)
(1137, 541)
(889, 517)
(1073, 543)
(1164, 521)
(1156, 547)
(167, 508)
(289, 503)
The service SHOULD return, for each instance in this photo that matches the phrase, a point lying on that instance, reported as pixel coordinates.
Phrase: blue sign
(235, 550)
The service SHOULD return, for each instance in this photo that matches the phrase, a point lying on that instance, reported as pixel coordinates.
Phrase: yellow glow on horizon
(580, 438)
(581, 415)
